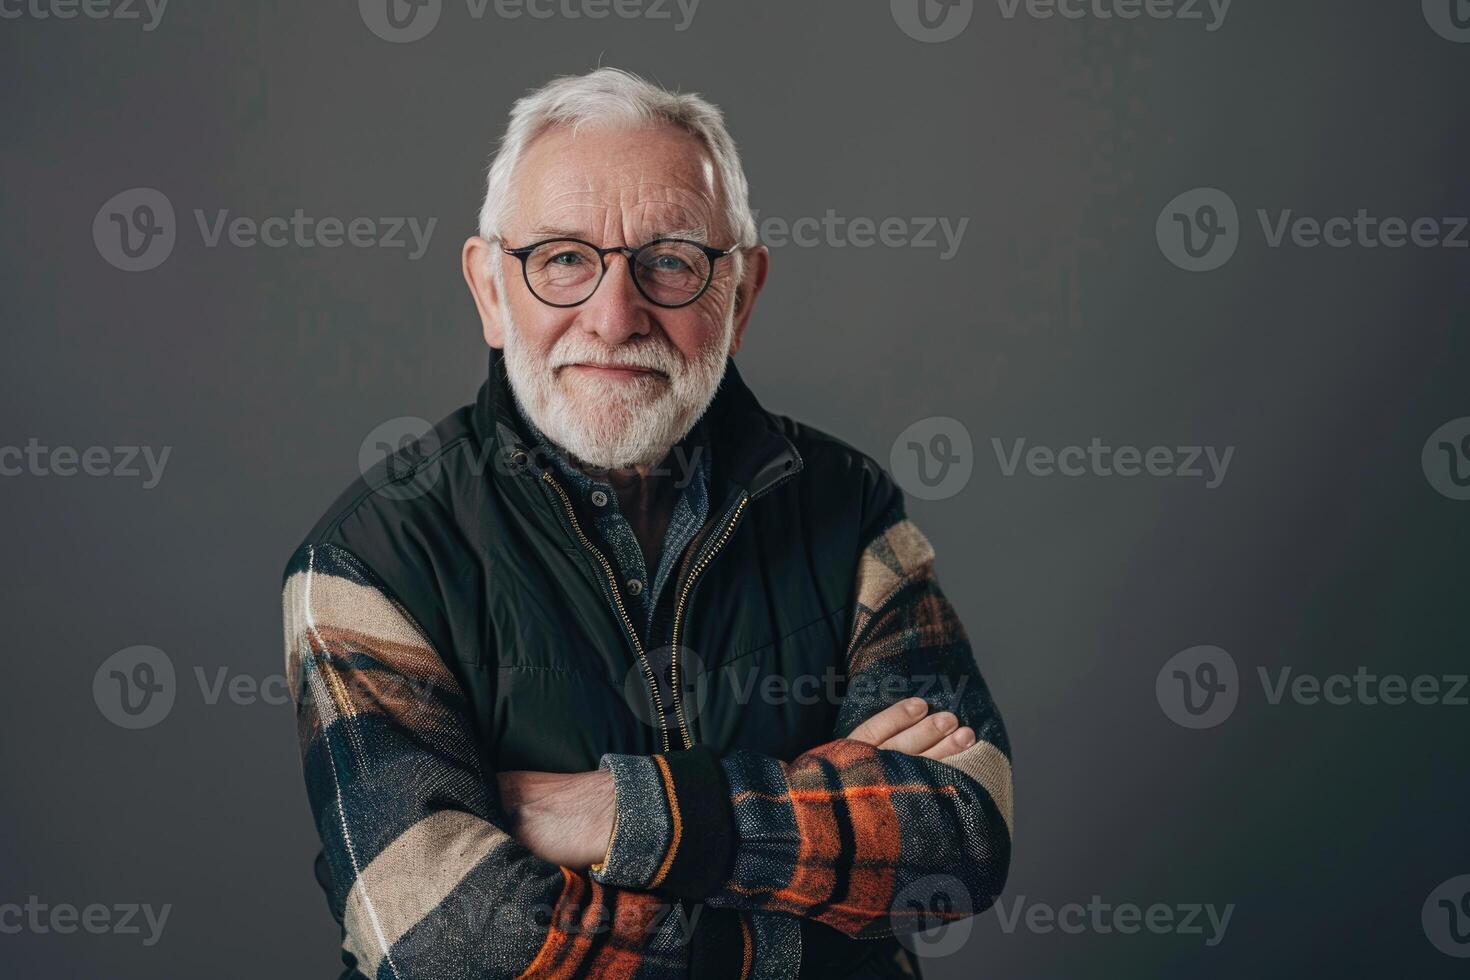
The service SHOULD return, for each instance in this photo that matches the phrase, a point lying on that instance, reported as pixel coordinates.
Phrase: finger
(890, 721)
(952, 744)
(923, 735)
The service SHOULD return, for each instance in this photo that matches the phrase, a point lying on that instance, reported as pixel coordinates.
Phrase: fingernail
(966, 738)
(945, 721)
(915, 706)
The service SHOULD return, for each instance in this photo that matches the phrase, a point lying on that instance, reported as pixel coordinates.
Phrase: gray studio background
(1326, 548)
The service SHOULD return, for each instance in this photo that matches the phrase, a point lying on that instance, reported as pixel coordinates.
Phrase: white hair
(614, 96)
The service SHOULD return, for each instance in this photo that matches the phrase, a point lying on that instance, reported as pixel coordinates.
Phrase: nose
(616, 310)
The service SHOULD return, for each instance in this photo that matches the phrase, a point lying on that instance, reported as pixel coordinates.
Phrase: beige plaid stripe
(410, 878)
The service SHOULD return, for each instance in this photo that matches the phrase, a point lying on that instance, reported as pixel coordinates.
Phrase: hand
(564, 818)
(907, 727)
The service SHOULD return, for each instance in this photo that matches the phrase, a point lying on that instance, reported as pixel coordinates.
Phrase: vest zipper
(612, 581)
(679, 609)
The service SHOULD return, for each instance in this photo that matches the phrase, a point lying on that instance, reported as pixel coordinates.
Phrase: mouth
(617, 372)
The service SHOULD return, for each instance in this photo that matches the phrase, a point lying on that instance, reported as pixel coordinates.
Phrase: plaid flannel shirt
(429, 883)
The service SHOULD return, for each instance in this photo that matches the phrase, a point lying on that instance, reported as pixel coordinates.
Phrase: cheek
(700, 325)
(539, 326)
(693, 330)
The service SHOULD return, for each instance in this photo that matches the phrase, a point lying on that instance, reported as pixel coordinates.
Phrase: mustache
(652, 359)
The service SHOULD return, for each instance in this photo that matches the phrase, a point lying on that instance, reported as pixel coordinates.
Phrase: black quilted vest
(489, 560)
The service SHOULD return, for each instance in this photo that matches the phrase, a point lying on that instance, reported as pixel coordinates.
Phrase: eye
(669, 263)
(566, 258)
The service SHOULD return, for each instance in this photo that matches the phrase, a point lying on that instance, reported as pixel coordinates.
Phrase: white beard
(614, 424)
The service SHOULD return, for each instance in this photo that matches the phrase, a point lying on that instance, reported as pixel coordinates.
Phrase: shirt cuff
(672, 824)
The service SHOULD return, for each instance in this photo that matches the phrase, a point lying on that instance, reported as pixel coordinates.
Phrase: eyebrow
(540, 233)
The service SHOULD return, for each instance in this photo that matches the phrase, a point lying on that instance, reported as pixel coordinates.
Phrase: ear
(475, 259)
(752, 281)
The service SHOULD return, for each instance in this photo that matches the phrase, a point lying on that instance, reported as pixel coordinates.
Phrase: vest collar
(748, 451)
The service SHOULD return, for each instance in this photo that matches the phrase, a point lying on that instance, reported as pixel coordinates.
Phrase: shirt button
(599, 498)
(634, 586)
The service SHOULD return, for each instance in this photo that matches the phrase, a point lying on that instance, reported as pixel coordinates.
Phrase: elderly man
(614, 673)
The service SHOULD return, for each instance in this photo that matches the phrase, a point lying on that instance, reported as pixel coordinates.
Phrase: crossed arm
(567, 818)
(442, 869)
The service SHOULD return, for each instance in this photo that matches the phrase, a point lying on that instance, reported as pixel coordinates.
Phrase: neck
(645, 499)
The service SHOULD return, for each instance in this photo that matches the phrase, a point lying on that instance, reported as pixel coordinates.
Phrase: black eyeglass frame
(631, 254)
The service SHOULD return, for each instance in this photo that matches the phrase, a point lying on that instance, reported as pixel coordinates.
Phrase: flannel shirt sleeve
(871, 842)
(425, 878)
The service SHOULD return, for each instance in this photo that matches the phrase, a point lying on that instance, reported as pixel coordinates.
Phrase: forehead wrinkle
(615, 178)
(585, 158)
(637, 220)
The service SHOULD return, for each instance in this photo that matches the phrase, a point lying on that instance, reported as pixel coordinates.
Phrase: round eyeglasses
(669, 272)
